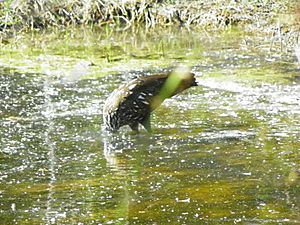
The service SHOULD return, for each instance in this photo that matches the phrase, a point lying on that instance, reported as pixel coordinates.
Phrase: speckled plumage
(132, 103)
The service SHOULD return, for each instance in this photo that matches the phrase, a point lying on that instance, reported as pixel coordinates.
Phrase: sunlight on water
(224, 152)
(48, 113)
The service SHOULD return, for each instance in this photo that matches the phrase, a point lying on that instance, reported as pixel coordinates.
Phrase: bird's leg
(134, 127)
(146, 123)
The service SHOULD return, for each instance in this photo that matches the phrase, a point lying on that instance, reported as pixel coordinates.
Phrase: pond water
(225, 152)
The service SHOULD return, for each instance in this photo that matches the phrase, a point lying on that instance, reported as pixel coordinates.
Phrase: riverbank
(38, 14)
(277, 19)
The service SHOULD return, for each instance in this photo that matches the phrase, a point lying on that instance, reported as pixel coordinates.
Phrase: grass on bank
(278, 19)
(215, 14)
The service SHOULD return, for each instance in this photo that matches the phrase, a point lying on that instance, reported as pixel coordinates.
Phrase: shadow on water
(222, 153)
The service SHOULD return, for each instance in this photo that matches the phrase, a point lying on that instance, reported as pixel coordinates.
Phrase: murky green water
(225, 152)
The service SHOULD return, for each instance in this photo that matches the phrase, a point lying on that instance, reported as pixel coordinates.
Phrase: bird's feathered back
(131, 103)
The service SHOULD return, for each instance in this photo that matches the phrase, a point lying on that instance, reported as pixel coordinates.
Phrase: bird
(132, 103)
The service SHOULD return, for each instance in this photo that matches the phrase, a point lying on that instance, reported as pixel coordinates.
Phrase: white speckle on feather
(132, 86)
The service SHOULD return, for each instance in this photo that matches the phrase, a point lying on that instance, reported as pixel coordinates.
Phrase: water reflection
(113, 145)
